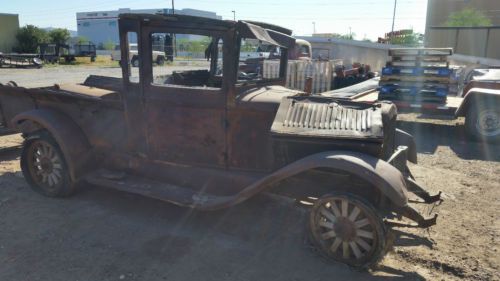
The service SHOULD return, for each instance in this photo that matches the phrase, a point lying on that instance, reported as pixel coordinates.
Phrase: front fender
(381, 174)
(68, 135)
(403, 138)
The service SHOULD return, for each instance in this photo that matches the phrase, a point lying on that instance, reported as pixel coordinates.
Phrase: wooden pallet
(421, 84)
(423, 79)
(418, 63)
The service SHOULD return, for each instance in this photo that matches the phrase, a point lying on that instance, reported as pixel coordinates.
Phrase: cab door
(184, 101)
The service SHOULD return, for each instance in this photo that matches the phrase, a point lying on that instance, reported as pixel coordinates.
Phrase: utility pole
(314, 27)
(393, 18)
(173, 9)
(234, 15)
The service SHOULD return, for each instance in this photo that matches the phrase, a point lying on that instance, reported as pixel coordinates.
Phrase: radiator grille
(308, 117)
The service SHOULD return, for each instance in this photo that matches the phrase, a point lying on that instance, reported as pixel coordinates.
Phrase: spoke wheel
(347, 229)
(44, 168)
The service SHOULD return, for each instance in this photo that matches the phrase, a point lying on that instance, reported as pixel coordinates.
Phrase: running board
(177, 195)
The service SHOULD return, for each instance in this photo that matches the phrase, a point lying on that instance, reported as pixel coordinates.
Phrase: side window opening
(132, 58)
(258, 60)
(186, 60)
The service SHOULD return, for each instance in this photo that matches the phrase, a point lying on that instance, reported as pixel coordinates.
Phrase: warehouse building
(471, 41)
(9, 25)
(101, 27)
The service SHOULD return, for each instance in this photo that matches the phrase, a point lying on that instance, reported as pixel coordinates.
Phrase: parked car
(158, 56)
(210, 139)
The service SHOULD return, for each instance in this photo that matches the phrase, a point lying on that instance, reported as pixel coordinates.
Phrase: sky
(365, 18)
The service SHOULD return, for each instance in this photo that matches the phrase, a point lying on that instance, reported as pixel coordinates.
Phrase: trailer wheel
(135, 62)
(160, 60)
(347, 229)
(483, 122)
(44, 167)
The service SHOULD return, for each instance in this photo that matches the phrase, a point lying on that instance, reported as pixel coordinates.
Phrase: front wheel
(44, 167)
(347, 229)
(483, 122)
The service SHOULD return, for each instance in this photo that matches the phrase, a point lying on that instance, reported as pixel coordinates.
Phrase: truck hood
(313, 116)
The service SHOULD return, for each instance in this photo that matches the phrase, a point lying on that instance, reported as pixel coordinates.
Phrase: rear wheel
(347, 229)
(483, 122)
(44, 167)
(160, 60)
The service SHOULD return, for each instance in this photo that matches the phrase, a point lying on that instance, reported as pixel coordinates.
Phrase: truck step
(174, 194)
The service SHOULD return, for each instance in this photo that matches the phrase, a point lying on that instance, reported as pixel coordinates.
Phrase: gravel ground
(102, 234)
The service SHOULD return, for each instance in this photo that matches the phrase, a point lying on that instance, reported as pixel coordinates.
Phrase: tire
(160, 60)
(44, 167)
(482, 121)
(135, 62)
(92, 59)
(342, 234)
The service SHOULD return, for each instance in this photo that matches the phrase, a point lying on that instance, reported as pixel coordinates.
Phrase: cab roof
(200, 20)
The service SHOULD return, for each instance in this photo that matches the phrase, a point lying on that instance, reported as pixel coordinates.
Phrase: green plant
(468, 17)
(28, 38)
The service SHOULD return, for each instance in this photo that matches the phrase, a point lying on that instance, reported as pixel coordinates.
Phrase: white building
(100, 27)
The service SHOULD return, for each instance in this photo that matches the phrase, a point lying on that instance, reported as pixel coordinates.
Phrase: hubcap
(488, 123)
(344, 230)
(45, 165)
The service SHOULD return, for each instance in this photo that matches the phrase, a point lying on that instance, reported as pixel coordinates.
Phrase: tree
(28, 38)
(468, 17)
(349, 36)
(59, 35)
(81, 40)
(108, 45)
(407, 38)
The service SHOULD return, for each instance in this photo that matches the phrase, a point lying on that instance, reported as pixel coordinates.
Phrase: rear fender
(381, 174)
(477, 96)
(68, 135)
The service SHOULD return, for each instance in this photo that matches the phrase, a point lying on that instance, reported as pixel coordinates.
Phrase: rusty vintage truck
(213, 137)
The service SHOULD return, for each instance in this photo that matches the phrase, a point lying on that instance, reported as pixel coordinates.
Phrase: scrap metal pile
(416, 75)
(20, 60)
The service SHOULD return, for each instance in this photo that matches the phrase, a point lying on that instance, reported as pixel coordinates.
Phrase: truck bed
(94, 105)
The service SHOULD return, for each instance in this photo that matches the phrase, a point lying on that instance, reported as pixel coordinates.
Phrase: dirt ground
(101, 234)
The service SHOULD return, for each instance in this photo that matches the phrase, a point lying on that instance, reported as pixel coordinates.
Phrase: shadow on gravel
(10, 153)
(102, 234)
(430, 136)
(405, 239)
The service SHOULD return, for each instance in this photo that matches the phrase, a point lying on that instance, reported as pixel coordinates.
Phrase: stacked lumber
(416, 75)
